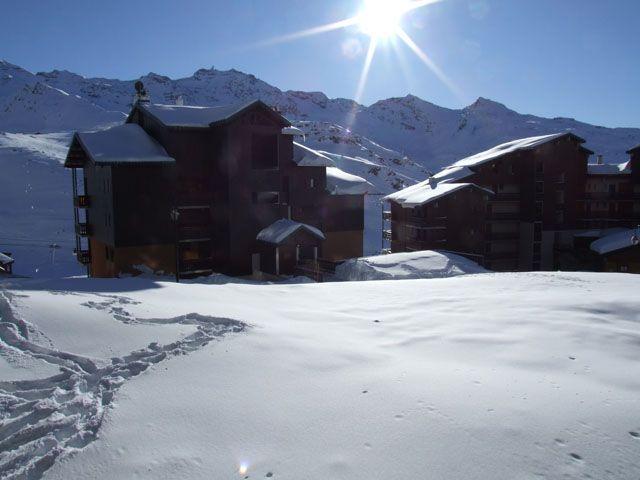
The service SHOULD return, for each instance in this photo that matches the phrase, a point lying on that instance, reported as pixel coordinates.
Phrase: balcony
(502, 236)
(83, 256)
(386, 234)
(194, 232)
(506, 197)
(81, 201)
(196, 266)
(83, 229)
(502, 216)
(386, 215)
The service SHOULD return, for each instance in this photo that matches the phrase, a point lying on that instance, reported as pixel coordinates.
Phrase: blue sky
(573, 58)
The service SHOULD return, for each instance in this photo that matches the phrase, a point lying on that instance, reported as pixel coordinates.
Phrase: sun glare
(381, 19)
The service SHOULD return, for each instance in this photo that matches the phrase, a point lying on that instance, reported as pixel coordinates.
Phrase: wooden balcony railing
(83, 229)
(83, 256)
(81, 201)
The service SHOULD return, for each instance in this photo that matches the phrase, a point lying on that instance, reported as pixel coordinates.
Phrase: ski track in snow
(41, 420)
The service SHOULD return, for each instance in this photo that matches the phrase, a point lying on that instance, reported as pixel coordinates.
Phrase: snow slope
(501, 376)
(403, 266)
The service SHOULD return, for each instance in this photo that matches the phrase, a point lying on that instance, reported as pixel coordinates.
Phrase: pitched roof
(609, 169)
(615, 241)
(203, 117)
(426, 192)
(304, 156)
(340, 182)
(5, 259)
(634, 149)
(280, 230)
(123, 144)
(510, 147)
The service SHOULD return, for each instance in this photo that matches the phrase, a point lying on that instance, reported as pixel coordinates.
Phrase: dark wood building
(187, 190)
(544, 194)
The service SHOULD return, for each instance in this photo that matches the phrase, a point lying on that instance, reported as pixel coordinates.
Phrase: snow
(453, 174)
(500, 376)
(194, 116)
(505, 149)
(5, 259)
(614, 241)
(408, 265)
(280, 230)
(343, 183)
(426, 192)
(292, 131)
(609, 169)
(127, 143)
(304, 156)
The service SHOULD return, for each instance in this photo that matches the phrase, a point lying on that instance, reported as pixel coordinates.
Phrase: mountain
(431, 135)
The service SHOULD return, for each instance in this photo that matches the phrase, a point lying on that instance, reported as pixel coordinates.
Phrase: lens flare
(243, 469)
(381, 18)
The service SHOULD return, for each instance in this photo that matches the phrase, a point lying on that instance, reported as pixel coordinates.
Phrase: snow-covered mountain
(431, 135)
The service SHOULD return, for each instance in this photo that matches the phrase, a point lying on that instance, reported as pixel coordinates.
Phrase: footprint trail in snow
(42, 420)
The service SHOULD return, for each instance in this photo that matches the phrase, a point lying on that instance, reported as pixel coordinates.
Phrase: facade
(186, 190)
(544, 194)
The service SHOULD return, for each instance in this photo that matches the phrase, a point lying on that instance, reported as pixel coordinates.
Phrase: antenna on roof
(141, 93)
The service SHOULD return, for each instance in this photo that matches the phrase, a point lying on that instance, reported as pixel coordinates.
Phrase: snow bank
(401, 266)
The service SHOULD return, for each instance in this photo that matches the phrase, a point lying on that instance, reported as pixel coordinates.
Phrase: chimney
(600, 159)
(141, 93)
(433, 182)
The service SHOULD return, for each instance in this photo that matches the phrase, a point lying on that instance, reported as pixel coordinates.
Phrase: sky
(569, 58)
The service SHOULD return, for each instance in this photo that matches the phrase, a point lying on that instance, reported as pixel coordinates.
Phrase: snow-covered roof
(304, 156)
(340, 182)
(507, 148)
(426, 192)
(599, 232)
(279, 231)
(295, 131)
(609, 169)
(615, 241)
(453, 174)
(127, 143)
(200, 117)
(5, 259)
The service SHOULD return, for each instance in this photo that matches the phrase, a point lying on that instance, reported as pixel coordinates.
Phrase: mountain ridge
(431, 135)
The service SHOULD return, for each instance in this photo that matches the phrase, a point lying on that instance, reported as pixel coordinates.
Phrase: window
(539, 187)
(511, 169)
(312, 183)
(264, 151)
(537, 232)
(560, 197)
(269, 198)
(561, 178)
(612, 188)
(539, 166)
(539, 209)
(559, 217)
(418, 212)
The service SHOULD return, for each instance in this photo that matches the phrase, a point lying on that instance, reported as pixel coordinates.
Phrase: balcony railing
(81, 201)
(191, 232)
(505, 197)
(83, 256)
(386, 234)
(83, 229)
(196, 266)
(503, 216)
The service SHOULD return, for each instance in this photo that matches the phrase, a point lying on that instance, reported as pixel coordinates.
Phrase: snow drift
(402, 266)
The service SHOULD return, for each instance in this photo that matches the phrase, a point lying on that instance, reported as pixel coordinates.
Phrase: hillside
(432, 136)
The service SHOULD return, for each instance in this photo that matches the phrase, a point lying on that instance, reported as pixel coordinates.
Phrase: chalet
(6, 263)
(619, 251)
(192, 190)
(548, 206)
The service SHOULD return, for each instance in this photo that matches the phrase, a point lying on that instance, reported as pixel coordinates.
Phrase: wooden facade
(231, 178)
(542, 197)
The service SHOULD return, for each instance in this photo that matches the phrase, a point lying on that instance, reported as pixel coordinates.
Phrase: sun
(380, 19)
